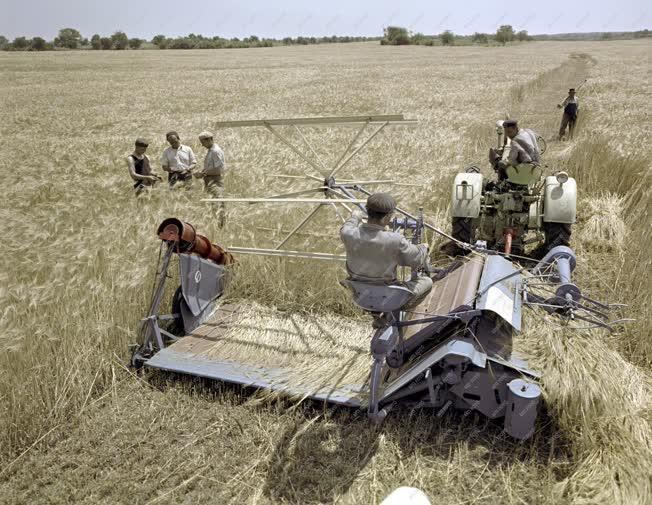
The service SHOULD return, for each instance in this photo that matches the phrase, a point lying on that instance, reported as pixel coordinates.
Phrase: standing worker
(178, 161)
(139, 167)
(571, 107)
(213, 172)
(373, 253)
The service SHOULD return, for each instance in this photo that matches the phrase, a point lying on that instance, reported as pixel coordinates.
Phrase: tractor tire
(556, 234)
(463, 229)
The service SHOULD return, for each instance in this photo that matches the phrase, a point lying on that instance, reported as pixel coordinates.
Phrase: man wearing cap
(373, 253)
(213, 171)
(178, 161)
(521, 152)
(139, 167)
(571, 106)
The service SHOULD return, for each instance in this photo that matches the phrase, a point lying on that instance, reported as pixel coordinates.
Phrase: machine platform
(321, 357)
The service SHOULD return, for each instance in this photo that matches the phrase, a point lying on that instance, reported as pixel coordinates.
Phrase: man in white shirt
(178, 161)
(213, 171)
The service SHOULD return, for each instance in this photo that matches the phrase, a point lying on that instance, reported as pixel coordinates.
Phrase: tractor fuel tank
(560, 201)
(467, 193)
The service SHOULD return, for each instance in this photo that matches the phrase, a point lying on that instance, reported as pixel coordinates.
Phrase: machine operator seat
(378, 297)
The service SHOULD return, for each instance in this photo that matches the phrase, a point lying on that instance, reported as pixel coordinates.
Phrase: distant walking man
(571, 107)
(213, 172)
(139, 167)
(373, 253)
(178, 161)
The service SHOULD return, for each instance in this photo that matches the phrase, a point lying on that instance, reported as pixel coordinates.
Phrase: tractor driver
(521, 153)
(373, 252)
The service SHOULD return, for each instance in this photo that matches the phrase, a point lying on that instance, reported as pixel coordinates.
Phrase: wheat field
(79, 257)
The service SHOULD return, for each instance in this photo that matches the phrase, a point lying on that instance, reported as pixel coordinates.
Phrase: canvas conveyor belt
(318, 356)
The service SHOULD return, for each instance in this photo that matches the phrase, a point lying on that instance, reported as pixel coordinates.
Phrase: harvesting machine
(454, 350)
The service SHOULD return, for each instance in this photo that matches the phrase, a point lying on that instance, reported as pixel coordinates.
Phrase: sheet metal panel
(259, 377)
(453, 291)
(500, 290)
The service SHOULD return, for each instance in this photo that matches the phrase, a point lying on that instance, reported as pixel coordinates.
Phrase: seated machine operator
(373, 253)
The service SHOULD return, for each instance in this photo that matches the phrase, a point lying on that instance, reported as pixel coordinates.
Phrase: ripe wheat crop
(79, 250)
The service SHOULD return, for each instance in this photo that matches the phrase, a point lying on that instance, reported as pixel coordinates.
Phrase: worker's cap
(508, 123)
(571, 89)
(382, 203)
(141, 142)
(205, 135)
(499, 123)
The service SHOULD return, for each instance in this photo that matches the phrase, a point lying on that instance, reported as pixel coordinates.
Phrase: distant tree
(95, 42)
(68, 37)
(287, 41)
(84, 42)
(38, 44)
(606, 36)
(447, 38)
(135, 43)
(480, 38)
(522, 35)
(4, 42)
(396, 36)
(157, 40)
(417, 38)
(106, 43)
(181, 43)
(505, 34)
(20, 43)
(120, 40)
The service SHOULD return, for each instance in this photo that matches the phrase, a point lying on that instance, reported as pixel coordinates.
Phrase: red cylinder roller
(189, 241)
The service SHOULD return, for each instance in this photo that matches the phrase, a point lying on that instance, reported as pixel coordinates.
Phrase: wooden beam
(287, 254)
(283, 200)
(318, 121)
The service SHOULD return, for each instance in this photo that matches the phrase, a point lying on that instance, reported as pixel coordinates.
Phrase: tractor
(521, 208)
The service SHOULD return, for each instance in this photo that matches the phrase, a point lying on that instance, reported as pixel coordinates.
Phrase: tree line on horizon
(400, 36)
(71, 39)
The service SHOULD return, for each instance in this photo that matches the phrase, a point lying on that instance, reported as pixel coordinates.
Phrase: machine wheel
(556, 234)
(463, 229)
(176, 326)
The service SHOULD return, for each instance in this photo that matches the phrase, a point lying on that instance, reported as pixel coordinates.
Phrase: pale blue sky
(231, 18)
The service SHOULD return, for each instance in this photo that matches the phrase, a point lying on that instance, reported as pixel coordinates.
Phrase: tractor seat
(378, 297)
(524, 174)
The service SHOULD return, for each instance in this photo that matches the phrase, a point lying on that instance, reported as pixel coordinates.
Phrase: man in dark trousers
(571, 107)
(139, 167)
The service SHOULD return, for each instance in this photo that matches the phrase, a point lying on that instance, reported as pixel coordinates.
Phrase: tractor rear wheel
(556, 234)
(463, 229)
